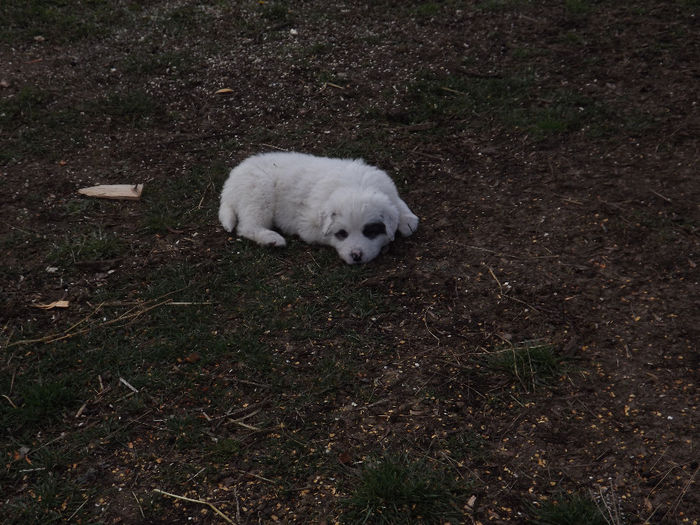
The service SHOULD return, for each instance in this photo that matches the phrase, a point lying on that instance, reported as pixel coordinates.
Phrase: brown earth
(583, 236)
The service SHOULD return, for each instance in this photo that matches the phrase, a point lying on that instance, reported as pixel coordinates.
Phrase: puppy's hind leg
(254, 224)
(227, 216)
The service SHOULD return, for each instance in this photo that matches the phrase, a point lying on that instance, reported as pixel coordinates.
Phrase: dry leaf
(192, 358)
(223, 91)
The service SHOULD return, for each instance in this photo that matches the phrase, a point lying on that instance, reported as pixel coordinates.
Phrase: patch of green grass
(577, 8)
(41, 502)
(564, 112)
(529, 52)
(134, 108)
(317, 49)
(514, 101)
(48, 123)
(249, 296)
(467, 446)
(426, 9)
(141, 63)
(25, 106)
(290, 456)
(185, 20)
(575, 509)
(276, 12)
(59, 21)
(317, 296)
(501, 5)
(187, 431)
(38, 123)
(96, 245)
(437, 97)
(394, 490)
(84, 207)
(184, 200)
(42, 402)
(225, 449)
(367, 142)
(528, 364)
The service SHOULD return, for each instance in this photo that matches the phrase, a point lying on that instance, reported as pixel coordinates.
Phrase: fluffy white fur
(342, 203)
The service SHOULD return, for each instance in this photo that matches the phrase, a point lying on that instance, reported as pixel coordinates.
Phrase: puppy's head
(358, 224)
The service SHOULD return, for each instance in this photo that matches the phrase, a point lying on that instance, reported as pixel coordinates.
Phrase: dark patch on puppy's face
(373, 230)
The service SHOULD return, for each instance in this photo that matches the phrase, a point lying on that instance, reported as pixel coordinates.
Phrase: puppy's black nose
(356, 256)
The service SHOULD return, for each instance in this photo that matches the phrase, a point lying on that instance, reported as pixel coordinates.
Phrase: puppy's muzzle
(356, 255)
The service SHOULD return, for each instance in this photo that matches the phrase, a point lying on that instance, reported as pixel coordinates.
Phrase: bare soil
(581, 234)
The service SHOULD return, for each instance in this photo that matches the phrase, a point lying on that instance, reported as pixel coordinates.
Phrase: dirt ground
(550, 150)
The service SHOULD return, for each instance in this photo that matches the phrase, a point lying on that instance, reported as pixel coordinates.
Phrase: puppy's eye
(341, 234)
(374, 229)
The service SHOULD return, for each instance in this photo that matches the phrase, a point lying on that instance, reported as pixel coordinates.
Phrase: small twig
(572, 201)
(81, 409)
(252, 383)
(20, 229)
(99, 307)
(456, 92)
(128, 385)
(425, 322)
(238, 506)
(8, 338)
(477, 74)
(139, 504)
(246, 416)
(330, 84)
(272, 146)
(608, 509)
(201, 502)
(9, 401)
(60, 436)
(126, 396)
(245, 425)
(661, 196)
(187, 303)
(68, 334)
(500, 287)
(680, 497)
(500, 254)
(195, 475)
(257, 476)
(379, 402)
(127, 424)
(56, 337)
(77, 510)
(522, 302)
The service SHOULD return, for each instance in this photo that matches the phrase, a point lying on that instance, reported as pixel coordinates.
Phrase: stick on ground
(201, 502)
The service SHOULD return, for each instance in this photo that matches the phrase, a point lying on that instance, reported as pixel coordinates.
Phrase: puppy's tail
(227, 216)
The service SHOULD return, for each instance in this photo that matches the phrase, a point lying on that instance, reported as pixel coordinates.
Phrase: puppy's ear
(327, 218)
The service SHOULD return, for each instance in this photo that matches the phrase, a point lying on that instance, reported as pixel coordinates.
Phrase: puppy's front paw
(270, 238)
(408, 224)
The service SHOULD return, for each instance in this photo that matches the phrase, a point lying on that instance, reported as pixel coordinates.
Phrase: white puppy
(342, 203)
